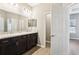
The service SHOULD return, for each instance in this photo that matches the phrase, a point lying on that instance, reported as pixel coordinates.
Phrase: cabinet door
(23, 42)
(34, 39)
(12, 46)
(29, 42)
(8, 47)
(4, 47)
(25, 38)
(21, 45)
(0, 49)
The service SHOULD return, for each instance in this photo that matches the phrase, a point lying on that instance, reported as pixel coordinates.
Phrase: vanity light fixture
(27, 12)
(14, 4)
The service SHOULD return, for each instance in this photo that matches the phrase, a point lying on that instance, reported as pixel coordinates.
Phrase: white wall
(40, 12)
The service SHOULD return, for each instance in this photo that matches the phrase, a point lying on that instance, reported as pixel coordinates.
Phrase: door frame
(69, 7)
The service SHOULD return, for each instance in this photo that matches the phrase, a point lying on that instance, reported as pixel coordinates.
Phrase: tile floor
(31, 51)
(38, 51)
(42, 51)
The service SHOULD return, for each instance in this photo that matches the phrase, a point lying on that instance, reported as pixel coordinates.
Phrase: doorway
(74, 29)
(48, 30)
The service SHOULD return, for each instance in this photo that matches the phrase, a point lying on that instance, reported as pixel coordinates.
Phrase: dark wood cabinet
(7, 46)
(18, 45)
(32, 40)
(21, 44)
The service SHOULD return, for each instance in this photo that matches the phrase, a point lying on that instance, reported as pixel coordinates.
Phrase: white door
(59, 31)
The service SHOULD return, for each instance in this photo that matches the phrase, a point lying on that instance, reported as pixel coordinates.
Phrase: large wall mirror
(1, 24)
(11, 23)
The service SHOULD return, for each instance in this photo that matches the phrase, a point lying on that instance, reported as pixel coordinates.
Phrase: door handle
(52, 35)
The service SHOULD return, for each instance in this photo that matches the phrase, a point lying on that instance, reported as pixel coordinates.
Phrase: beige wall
(40, 12)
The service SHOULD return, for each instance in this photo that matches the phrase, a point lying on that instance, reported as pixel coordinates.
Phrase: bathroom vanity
(17, 43)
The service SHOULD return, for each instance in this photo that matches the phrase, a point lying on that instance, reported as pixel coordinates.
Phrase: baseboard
(38, 45)
(42, 46)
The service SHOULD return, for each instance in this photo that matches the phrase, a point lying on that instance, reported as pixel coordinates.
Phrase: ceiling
(33, 4)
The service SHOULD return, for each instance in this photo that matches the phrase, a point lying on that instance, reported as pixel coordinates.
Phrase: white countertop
(7, 35)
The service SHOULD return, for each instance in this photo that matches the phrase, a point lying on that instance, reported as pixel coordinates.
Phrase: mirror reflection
(11, 23)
